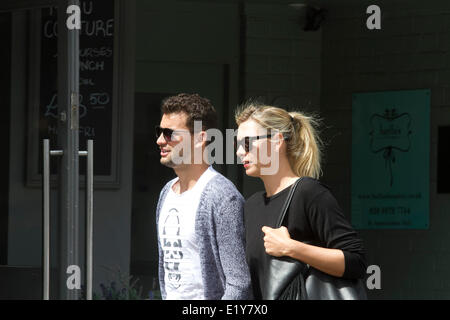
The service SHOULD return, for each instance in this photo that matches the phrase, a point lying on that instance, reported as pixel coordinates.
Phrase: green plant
(121, 287)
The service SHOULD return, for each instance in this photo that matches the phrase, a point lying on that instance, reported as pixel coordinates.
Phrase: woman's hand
(277, 241)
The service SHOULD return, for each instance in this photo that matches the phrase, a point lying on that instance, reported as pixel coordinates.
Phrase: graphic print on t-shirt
(179, 241)
(172, 246)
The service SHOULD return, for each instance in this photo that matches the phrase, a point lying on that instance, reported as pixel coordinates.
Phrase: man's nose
(161, 141)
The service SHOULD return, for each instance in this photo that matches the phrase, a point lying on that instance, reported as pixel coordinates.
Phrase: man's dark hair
(196, 107)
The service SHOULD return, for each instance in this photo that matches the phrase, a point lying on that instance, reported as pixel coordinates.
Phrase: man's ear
(200, 137)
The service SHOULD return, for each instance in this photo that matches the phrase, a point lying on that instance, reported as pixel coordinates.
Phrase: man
(199, 214)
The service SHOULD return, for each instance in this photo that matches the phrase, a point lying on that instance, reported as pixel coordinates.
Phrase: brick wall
(281, 58)
(282, 63)
(411, 51)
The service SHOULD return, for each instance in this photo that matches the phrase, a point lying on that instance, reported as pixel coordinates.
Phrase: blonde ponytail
(302, 140)
(304, 147)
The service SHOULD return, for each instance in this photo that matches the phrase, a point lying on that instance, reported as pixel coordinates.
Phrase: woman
(317, 232)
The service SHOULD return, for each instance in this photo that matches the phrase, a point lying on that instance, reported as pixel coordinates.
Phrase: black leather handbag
(290, 279)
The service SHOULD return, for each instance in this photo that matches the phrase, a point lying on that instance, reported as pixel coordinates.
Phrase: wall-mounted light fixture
(311, 17)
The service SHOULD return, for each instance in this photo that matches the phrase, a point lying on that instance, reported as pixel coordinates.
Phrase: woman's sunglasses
(247, 142)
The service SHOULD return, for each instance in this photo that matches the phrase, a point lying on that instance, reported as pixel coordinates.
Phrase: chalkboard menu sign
(96, 81)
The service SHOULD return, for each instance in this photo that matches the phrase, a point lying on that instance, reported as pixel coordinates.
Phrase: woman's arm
(341, 251)
(278, 243)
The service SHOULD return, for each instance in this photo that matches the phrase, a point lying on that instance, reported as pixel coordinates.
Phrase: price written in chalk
(96, 101)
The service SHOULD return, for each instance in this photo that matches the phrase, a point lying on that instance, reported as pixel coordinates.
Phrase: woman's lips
(246, 164)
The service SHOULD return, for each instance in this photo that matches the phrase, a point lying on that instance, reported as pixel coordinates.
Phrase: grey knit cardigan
(220, 232)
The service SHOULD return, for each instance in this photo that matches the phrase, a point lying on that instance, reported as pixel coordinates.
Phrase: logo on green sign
(390, 132)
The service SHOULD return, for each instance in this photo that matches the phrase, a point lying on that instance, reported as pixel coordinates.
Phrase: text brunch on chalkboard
(96, 79)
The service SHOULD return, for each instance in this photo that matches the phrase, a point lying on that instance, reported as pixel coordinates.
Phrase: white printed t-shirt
(182, 271)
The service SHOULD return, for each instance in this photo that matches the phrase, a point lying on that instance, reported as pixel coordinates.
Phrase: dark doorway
(149, 176)
(5, 90)
(443, 174)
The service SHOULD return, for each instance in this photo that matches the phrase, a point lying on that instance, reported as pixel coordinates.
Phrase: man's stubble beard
(168, 161)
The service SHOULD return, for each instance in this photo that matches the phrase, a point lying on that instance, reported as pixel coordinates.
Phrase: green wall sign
(390, 159)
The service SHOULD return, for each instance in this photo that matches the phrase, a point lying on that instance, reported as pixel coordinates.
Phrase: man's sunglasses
(247, 142)
(167, 133)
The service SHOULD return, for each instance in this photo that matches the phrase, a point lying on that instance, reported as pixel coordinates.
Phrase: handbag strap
(287, 203)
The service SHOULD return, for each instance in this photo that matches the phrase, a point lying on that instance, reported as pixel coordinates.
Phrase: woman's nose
(240, 152)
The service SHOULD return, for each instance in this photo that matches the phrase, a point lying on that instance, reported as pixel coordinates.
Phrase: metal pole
(89, 216)
(68, 107)
(46, 221)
